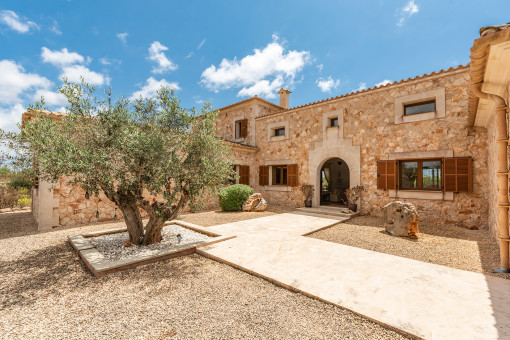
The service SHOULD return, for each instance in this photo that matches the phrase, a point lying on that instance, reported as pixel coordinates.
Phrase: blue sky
(226, 51)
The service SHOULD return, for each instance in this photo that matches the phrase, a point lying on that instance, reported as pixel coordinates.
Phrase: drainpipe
(503, 173)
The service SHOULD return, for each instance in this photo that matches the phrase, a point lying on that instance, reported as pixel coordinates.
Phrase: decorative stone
(128, 243)
(255, 203)
(400, 219)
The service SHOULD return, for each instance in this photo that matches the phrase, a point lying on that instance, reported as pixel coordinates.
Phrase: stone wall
(368, 122)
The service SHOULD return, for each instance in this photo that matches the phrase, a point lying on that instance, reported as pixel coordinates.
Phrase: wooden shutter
(458, 174)
(292, 175)
(263, 175)
(244, 174)
(244, 128)
(387, 175)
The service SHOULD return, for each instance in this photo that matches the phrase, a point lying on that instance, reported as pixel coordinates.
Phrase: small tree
(130, 149)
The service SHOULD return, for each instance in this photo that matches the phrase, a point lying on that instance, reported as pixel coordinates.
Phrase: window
(241, 128)
(279, 175)
(279, 132)
(412, 109)
(421, 174)
(452, 174)
(333, 122)
(243, 171)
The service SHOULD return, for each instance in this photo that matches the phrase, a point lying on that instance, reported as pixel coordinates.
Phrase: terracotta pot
(308, 204)
(353, 207)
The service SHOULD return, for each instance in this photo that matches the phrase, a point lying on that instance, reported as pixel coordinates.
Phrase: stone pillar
(46, 205)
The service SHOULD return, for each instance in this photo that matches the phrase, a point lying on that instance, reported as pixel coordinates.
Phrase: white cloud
(11, 19)
(73, 73)
(406, 12)
(262, 88)
(55, 28)
(108, 61)
(320, 67)
(151, 86)
(122, 37)
(384, 82)
(50, 98)
(201, 44)
(10, 117)
(189, 55)
(257, 73)
(156, 54)
(362, 86)
(326, 85)
(60, 58)
(14, 81)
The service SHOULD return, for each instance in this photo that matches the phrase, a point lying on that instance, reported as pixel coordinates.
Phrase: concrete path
(423, 299)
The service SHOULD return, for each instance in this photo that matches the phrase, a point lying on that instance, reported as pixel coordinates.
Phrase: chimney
(284, 97)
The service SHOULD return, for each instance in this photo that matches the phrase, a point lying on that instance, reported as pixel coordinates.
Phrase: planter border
(100, 266)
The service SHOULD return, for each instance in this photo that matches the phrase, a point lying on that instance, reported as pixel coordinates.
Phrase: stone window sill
(277, 138)
(419, 194)
(239, 140)
(419, 117)
(332, 127)
(277, 188)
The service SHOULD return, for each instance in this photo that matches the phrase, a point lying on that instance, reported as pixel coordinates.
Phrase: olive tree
(144, 154)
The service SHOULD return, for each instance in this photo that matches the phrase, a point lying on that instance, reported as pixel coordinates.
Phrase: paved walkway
(423, 299)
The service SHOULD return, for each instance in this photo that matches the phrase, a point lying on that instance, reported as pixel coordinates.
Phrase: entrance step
(330, 211)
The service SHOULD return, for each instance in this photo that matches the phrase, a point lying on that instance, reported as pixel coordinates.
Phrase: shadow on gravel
(49, 271)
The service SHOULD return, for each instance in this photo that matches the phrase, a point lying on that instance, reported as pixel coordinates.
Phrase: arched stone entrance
(334, 180)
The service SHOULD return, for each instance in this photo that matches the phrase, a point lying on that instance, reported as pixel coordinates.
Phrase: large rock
(255, 203)
(400, 219)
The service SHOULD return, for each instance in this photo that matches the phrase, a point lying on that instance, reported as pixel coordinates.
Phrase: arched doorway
(334, 180)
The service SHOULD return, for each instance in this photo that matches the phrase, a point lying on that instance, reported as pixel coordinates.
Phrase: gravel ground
(447, 245)
(112, 245)
(210, 218)
(47, 293)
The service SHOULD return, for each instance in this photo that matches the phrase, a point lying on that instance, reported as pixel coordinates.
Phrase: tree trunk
(153, 230)
(134, 223)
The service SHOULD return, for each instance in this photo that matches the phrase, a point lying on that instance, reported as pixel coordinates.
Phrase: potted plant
(353, 194)
(308, 191)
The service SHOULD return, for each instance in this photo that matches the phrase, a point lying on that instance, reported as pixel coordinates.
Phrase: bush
(24, 198)
(8, 197)
(233, 197)
(21, 179)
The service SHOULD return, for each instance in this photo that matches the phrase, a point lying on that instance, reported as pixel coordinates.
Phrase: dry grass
(47, 293)
(210, 218)
(448, 245)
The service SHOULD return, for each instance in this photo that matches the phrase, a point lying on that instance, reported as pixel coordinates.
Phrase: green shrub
(21, 179)
(233, 197)
(8, 196)
(24, 200)
(5, 171)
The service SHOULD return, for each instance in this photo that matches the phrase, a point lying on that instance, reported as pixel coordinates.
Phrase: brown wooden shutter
(292, 175)
(244, 174)
(244, 128)
(263, 175)
(458, 174)
(387, 175)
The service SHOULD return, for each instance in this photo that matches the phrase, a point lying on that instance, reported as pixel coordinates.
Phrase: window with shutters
(241, 128)
(279, 175)
(243, 173)
(439, 174)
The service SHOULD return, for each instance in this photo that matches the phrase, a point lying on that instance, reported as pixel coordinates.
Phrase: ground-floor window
(243, 173)
(453, 174)
(280, 175)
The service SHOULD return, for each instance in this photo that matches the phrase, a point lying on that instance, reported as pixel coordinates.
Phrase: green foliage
(127, 148)
(24, 200)
(5, 171)
(21, 179)
(233, 197)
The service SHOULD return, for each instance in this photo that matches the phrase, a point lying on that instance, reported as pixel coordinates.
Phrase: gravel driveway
(47, 293)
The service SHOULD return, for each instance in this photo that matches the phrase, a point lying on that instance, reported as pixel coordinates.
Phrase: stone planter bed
(104, 252)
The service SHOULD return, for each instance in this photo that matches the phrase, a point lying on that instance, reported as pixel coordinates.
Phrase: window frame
(333, 119)
(273, 175)
(419, 180)
(424, 102)
(275, 134)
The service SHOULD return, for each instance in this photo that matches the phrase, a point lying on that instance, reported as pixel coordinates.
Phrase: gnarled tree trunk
(134, 223)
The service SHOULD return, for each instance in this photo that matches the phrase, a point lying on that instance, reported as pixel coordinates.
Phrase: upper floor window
(333, 122)
(279, 131)
(412, 109)
(241, 128)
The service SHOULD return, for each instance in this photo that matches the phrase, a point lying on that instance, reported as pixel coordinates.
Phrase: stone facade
(367, 132)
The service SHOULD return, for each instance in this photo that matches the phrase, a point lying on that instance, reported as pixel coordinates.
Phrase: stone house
(433, 140)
